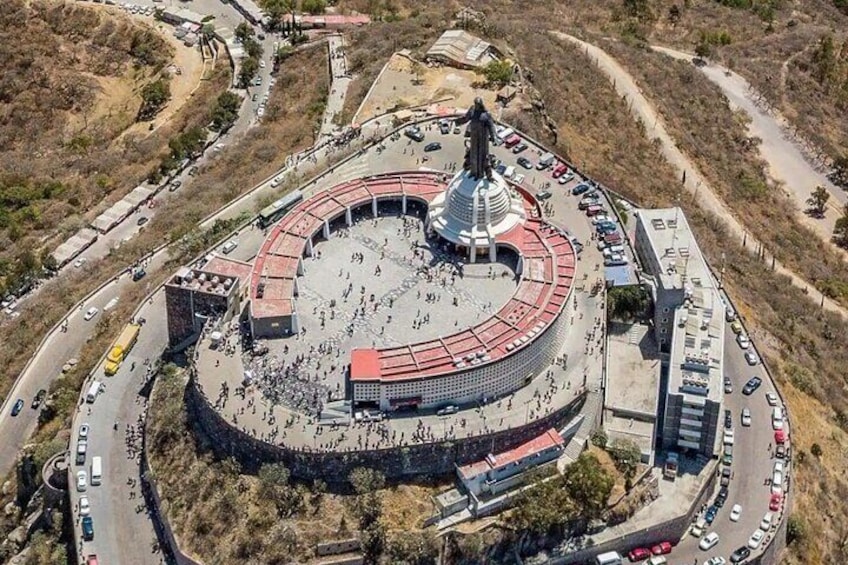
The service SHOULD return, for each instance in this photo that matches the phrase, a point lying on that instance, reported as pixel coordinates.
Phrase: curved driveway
(695, 183)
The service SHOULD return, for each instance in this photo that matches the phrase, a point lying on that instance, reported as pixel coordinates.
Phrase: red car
(639, 554)
(560, 169)
(661, 548)
(779, 436)
(774, 502)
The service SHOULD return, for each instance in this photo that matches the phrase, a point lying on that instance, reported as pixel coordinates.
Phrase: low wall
(438, 458)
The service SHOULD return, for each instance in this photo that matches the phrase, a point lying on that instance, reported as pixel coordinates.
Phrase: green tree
(277, 10)
(412, 548)
(153, 98)
(626, 455)
(545, 508)
(244, 31)
(588, 484)
(283, 53)
(796, 529)
(249, 68)
(840, 169)
(840, 230)
(253, 48)
(497, 73)
(208, 30)
(628, 303)
(817, 201)
(225, 113)
(314, 6)
(703, 49)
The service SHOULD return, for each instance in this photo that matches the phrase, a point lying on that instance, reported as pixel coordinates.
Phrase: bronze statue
(482, 127)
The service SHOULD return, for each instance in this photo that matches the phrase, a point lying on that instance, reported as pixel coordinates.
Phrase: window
(663, 330)
(665, 310)
(665, 320)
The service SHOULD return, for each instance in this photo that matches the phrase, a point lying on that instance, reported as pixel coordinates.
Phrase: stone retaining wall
(438, 458)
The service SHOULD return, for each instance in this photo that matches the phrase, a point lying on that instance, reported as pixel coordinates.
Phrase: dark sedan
(435, 146)
(19, 405)
(752, 385)
(580, 189)
(525, 162)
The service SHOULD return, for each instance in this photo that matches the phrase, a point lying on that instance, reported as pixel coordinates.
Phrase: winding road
(694, 183)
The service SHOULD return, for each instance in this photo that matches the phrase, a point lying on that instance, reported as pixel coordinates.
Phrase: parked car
(543, 195)
(90, 313)
(743, 341)
(192, 172)
(736, 327)
(746, 417)
(84, 507)
(639, 554)
(19, 405)
(740, 555)
(725, 476)
(721, 497)
(435, 146)
(710, 515)
(717, 560)
(766, 522)
(566, 178)
(229, 246)
(525, 162)
(752, 358)
(83, 431)
(580, 189)
(728, 419)
(518, 179)
(82, 480)
(756, 539)
(142, 220)
(173, 186)
(709, 541)
(780, 451)
(752, 385)
(414, 133)
(771, 398)
(87, 528)
(662, 548)
(728, 386)
(735, 513)
(775, 500)
(444, 127)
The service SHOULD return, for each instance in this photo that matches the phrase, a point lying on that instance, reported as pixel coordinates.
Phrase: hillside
(71, 78)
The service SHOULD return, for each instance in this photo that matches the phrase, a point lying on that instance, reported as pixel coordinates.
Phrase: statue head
(478, 104)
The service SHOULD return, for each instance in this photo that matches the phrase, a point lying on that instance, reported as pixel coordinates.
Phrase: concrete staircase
(577, 444)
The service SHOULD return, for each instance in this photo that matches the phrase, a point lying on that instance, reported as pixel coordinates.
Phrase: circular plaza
(367, 329)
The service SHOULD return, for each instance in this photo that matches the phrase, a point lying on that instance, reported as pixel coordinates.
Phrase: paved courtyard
(378, 283)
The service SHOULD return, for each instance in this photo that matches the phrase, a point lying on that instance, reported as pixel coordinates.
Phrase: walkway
(694, 182)
(339, 83)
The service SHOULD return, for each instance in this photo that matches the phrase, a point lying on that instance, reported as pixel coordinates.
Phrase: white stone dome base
(473, 212)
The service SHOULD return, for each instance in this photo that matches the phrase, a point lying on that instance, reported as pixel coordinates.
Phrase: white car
(777, 483)
(229, 246)
(743, 341)
(261, 64)
(756, 539)
(83, 432)
(518, 179)
(778, 466)
(752, 358)
(82, 481)
(772, 398)
(746, 417)
(80, 262)
(765, 524)
(729, 437)
(709, 541)
(277, 180)
(735, 513)
(91, 313)
(84, 506)
(717, 560)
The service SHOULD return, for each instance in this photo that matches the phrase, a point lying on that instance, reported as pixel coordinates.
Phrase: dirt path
(787, 164)
(694, 183)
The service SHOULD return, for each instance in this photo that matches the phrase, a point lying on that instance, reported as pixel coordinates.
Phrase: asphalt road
(752, 461)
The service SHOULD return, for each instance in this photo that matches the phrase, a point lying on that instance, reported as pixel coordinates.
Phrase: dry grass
(237, 169)
(700, 120)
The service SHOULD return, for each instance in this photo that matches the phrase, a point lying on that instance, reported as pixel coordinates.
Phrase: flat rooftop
(695, 366)
(547, 440)
(633, 370)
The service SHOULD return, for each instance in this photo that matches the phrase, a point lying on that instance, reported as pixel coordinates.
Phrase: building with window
(689, 326)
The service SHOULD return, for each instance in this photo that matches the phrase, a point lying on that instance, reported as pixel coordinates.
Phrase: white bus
(96, 470)
(93, 391)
